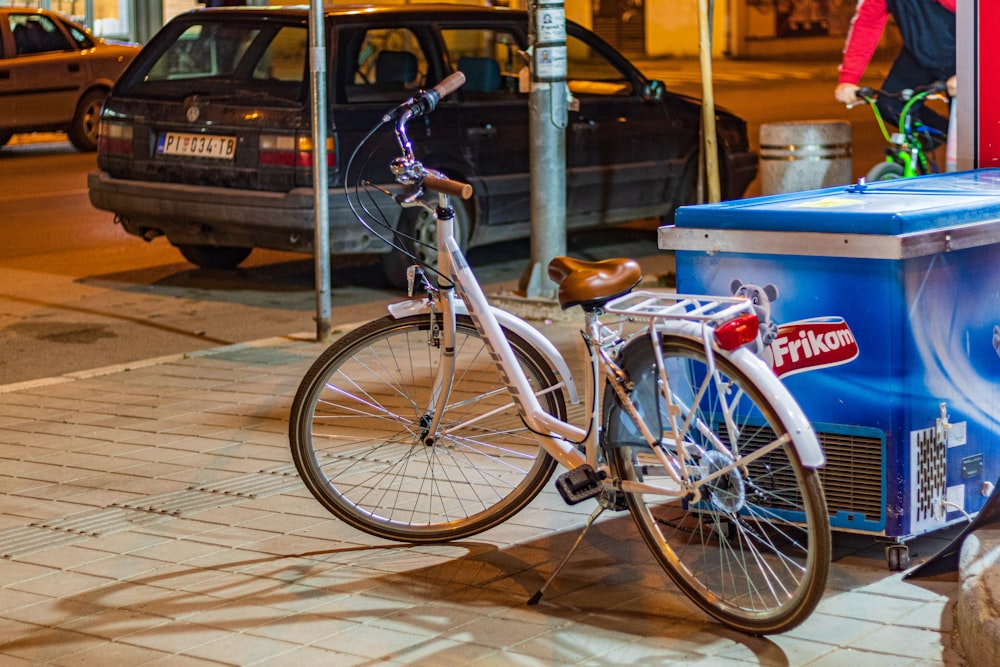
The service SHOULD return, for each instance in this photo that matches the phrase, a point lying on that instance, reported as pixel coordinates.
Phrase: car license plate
(196, 145)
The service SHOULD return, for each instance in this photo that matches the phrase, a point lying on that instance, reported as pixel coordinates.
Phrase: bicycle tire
(356, 422)
(885, 171)
(755, 552)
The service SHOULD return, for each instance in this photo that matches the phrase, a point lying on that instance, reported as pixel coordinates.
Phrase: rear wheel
(754, 549)
(885, 171)
(83, 130)
(214, 257)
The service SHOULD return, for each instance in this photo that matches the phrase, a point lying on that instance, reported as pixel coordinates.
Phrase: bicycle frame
(559, 438)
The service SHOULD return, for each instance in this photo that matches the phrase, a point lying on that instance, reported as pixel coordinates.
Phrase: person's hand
(952, 84)
(846, 93)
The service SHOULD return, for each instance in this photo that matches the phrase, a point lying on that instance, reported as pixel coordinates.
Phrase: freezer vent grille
(852, 477)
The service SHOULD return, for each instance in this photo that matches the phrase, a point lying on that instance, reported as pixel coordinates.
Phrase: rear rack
(668, 305)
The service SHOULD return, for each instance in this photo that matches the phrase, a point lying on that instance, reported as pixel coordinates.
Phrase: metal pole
(321, 205)
(711, 153)
(547, 129)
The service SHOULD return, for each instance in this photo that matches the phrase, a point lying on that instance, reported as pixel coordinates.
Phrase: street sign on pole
(548, 117)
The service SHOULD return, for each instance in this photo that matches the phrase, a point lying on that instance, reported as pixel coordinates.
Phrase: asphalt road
(78, 293)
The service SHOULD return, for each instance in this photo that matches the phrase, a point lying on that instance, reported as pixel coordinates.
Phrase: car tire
(83, 130)
(418, 223)
(212, 256)
(5, 137)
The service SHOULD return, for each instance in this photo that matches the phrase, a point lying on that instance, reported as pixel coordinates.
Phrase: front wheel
(753, 549)
(358, 432)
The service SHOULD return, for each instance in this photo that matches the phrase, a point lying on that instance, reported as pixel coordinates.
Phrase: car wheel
(417, 233)
(83, 131)
(5, 137)
(212, 256)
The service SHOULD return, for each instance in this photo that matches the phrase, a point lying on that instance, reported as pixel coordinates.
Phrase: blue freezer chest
(881, 310)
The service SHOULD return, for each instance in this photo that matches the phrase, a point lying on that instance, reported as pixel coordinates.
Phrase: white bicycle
(447, 416)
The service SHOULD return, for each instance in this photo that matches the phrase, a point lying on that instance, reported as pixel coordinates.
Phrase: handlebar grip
(448, 186)
(449, 84)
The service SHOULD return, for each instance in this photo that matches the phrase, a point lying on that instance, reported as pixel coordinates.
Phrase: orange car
(54, 75)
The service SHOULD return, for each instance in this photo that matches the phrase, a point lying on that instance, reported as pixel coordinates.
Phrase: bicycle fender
(799, 427)
(804, 438)
(636, 359)
(510, 321)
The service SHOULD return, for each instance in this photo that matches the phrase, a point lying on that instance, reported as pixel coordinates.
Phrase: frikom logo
(807, 345)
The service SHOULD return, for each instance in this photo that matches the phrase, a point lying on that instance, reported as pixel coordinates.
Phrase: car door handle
(5, 74)
(487, 130)
(74, 68)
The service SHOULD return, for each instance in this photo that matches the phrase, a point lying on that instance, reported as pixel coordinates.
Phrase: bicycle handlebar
(447, 186)
(408, 169)
(425, 101)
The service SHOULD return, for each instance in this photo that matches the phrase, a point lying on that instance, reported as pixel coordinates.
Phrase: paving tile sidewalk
(150, 515)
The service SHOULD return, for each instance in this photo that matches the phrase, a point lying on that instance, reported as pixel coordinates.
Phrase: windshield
(223, 60)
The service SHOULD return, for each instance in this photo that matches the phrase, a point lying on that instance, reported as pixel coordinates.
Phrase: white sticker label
(550, 62)
(551, 25)
(957, 434)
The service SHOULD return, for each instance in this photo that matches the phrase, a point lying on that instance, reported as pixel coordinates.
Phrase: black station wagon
(206, 139)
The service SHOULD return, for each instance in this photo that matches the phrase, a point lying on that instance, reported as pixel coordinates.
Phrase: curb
(977, 612)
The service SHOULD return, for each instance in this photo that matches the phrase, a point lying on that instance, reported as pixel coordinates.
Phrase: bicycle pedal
(579, 484)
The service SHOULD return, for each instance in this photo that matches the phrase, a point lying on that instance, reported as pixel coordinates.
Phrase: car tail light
(114, 138)
(290, 151)
(737, 332)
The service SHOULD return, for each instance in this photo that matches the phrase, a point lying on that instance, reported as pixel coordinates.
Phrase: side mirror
(654, 91)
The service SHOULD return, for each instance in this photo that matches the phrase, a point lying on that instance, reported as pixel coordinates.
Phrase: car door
(623, 151)
(44, 75)
(376, 67)
(491, 116)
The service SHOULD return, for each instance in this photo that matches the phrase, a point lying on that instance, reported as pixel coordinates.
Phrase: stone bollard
(804, 155)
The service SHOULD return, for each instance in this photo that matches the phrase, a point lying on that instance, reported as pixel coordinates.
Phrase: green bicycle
(911, 150)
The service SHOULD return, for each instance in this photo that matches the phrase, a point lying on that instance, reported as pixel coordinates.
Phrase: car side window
(590, 73)
(491, 60)
(385, 64)
(82, 40)
(284, 60)
(34, 33)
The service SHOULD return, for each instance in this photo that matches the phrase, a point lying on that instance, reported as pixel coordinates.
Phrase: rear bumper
(203, 215)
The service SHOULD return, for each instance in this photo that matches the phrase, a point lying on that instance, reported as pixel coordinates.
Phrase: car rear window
(246, 60)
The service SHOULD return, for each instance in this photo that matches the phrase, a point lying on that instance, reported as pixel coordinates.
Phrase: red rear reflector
(738, 332)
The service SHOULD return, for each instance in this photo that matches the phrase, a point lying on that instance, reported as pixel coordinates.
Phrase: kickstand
(586, 526)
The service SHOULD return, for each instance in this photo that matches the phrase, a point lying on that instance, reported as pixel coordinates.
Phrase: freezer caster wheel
(897, 556)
